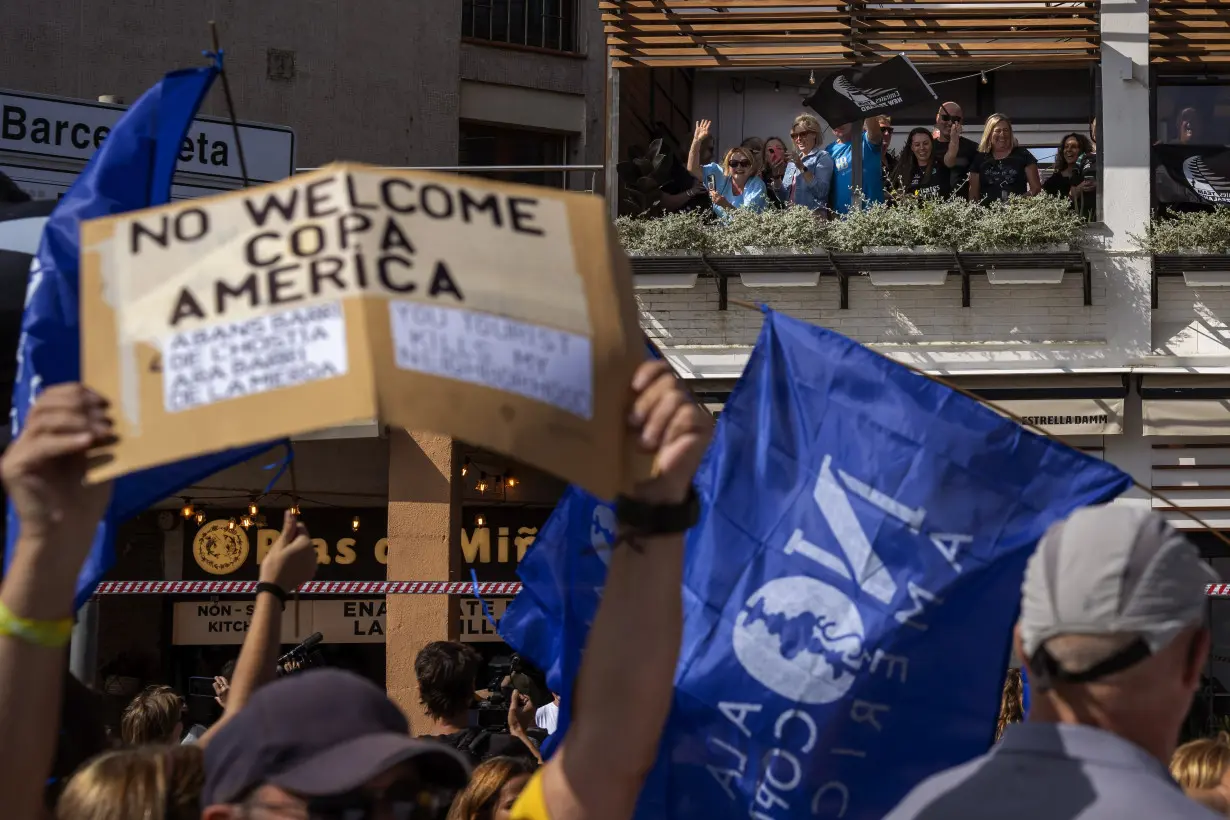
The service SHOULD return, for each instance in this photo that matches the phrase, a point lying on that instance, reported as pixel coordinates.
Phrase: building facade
(1122, 355)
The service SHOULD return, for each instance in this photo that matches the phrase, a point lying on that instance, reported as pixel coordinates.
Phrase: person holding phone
(736, 183)
(809, 171)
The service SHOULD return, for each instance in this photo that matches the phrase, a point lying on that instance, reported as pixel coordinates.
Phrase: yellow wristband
(51, 634)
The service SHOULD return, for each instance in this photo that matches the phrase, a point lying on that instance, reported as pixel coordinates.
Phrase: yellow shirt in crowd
(531, 805)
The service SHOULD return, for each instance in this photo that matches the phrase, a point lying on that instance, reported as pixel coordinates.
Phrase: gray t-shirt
(1048, 771)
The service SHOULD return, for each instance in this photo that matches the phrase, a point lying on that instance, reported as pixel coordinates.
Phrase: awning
(1063, 405)
(1185, 405)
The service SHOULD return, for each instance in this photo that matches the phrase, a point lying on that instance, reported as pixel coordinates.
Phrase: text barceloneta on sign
(58, 128)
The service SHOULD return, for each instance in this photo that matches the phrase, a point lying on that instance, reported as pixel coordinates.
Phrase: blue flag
(561, 586)
(132, 170)
(851, 590)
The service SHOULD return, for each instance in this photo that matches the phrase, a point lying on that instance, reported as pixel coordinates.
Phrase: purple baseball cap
(317, 734)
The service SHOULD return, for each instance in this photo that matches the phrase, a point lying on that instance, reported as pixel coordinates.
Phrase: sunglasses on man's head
(739, 163)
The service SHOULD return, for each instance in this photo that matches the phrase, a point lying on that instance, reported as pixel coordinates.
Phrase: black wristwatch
(274, 590)
(644, 518)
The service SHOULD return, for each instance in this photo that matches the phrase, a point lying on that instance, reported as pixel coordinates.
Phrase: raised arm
(703, 128)
(954, 145)
(43, 471)
(627, 677)
(290, 563)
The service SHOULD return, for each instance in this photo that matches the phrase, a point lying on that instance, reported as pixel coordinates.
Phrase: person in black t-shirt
(955, 151)
(447, 675)
(921, 172)
(1002, 168)
(1075, 175)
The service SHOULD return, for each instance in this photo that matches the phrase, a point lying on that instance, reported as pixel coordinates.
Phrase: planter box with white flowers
(924, 235)
(1201, 236)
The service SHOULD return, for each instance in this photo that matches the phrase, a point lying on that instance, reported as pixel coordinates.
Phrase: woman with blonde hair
(494, 788)
(809, 170)
(156, 781)
(736, 183)
(1002, 168)
(1201, 764)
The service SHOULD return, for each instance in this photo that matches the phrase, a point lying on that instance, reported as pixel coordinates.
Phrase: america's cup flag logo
(1206, 182)
(864, 98)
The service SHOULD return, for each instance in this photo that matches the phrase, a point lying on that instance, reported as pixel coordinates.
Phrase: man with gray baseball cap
(1112, 631)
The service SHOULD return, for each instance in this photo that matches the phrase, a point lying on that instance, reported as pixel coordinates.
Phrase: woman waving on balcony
(736, 183)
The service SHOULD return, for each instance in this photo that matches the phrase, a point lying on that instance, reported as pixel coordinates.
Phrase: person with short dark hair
(154, 716)
(447, 674)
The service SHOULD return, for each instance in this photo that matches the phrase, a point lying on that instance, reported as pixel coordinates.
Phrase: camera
(304, 656)
(1086, 167)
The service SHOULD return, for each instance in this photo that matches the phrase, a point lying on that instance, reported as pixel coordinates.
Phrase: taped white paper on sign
(540, 363)
(234, 359)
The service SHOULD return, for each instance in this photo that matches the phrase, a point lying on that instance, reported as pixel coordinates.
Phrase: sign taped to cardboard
(499, 314)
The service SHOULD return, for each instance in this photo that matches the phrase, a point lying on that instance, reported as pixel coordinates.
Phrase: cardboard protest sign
(498, 314)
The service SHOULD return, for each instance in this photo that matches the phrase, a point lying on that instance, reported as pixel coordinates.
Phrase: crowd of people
(1112, 630)
(323, 743)
(933, 162)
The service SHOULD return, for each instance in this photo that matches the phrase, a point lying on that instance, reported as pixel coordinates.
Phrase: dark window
(1191, 138)
(550, 24)
(482, 144)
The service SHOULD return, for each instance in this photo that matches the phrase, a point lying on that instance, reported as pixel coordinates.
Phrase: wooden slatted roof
(1189, 32)
(838, 33)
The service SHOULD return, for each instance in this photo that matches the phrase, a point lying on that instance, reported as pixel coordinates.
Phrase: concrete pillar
(424, 512)
(1132, 452)
(1124, 155)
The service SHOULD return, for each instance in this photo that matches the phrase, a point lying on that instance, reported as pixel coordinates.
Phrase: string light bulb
(230, 525)
(481, 486)
(465, 465)
(245, 522)
(777, 86)
(480, 520)
(983, 75)
(199, 517)
(811, 79)
(354, 524)
(187, 510)
(252, 508)
(294, 508)
(510, 480)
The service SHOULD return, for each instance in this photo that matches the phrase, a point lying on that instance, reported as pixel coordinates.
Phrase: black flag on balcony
(855, 94)
(1191, 174)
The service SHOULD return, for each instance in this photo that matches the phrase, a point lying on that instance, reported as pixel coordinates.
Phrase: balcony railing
(838, 33)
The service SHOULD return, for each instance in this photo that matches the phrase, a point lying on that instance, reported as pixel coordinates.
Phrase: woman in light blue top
(736, 183)
(809, 173)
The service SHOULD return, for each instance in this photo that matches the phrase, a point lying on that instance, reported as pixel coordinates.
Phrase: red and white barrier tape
(367, 588)
(310, 588)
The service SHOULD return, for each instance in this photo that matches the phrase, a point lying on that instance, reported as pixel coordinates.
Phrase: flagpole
(1021, 421)
(230, 105)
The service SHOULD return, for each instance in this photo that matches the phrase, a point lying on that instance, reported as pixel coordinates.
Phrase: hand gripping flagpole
(1021, 421)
